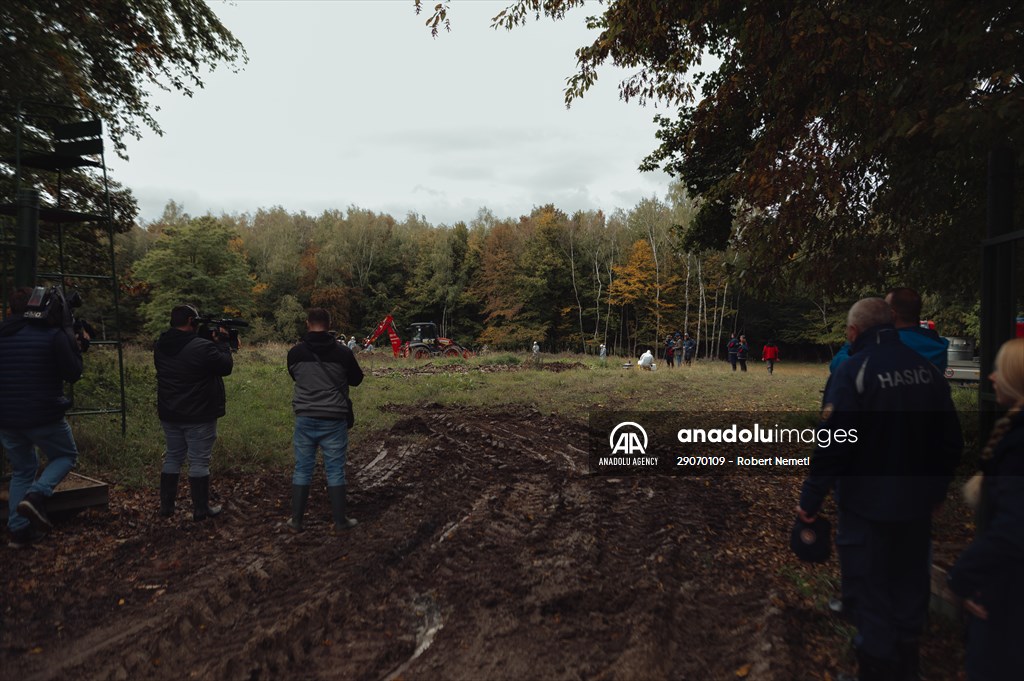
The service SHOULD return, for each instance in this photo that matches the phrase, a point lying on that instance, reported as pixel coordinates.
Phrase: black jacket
(908, 433)
(35, 360)
(188, 377)
(994, 563)
(321, 387)
(991, 570)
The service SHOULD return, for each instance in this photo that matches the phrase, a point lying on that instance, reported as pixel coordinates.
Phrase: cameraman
(190, 399)
(36, 358)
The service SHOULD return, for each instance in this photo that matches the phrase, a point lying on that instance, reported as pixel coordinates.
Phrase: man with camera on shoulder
(190, 399)
(36, 357)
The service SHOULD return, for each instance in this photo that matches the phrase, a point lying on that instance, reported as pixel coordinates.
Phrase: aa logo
(628, 438)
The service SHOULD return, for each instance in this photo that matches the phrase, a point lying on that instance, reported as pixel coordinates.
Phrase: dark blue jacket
(35, 360)
(908, 438)
(189, 387)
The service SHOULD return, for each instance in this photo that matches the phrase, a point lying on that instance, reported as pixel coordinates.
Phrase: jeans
(193, 441)
(332, 437)
(56, 442)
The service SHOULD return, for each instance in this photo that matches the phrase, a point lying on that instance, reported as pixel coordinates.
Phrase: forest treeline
(570, 282)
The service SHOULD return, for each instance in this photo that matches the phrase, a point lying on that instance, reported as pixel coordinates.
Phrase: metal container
(960, 349)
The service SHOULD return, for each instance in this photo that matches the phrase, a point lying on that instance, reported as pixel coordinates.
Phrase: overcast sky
(352, 103)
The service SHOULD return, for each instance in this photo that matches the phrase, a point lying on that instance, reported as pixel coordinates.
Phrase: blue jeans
(56, 442)
(192, 441)
(331, 435)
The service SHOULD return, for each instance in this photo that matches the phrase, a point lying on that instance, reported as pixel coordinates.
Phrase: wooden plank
(79, 148)
(69, 131)
(74, 492)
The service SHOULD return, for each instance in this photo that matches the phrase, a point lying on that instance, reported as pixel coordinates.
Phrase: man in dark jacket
(35, 360)
(190, 399)
(888, 480)
(323, 370)
(689, 349)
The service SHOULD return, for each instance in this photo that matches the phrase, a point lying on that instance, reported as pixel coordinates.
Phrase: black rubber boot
(338, 507)
(168, 493)
(300, 497)
(201, 509)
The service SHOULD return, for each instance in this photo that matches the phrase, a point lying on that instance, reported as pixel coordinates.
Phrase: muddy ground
(484, 551)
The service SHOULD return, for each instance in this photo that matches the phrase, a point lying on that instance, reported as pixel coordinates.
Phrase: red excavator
(425, 342)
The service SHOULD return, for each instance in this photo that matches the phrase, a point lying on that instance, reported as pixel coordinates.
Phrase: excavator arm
(388, 324)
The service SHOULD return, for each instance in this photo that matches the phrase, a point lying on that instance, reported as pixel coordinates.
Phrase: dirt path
(483, 551)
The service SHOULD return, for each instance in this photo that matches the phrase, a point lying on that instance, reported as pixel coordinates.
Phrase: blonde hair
(1010, 366)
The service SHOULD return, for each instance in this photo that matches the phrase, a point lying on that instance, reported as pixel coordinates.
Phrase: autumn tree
(105, 58)
(545, 277)
(437, 286)
(838, 143)
(497, 291)
(200, 263)
(635, 289)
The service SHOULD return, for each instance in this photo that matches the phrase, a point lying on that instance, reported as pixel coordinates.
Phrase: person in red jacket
(770, 354)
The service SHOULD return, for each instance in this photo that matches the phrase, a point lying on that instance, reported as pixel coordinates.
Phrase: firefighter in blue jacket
(888, 480)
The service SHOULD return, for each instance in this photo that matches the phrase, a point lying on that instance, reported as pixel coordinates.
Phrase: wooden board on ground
(75, 492)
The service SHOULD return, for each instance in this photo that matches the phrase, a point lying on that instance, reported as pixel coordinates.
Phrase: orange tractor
(425, 342)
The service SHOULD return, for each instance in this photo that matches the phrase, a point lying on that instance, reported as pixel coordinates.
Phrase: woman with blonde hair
(989, 575)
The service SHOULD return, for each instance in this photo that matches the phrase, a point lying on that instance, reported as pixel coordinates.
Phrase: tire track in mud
(484, 551)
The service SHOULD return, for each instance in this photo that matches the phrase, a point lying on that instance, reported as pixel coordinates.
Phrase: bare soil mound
(484, 550)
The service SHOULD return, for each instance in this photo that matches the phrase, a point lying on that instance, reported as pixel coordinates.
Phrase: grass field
(256, 432)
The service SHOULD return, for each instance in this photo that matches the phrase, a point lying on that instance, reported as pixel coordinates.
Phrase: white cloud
(352, 103)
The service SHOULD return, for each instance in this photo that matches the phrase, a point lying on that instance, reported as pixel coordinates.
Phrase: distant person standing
(742, 349)
(190, 398)
(731, 348)
(689, 349)
(323, 370)
(679, 350)
(603, 353)
(670, 351)
(536, 348)
(770, 355)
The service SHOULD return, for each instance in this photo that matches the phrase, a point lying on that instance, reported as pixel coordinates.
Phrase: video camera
(207, 327)
(50, 306)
